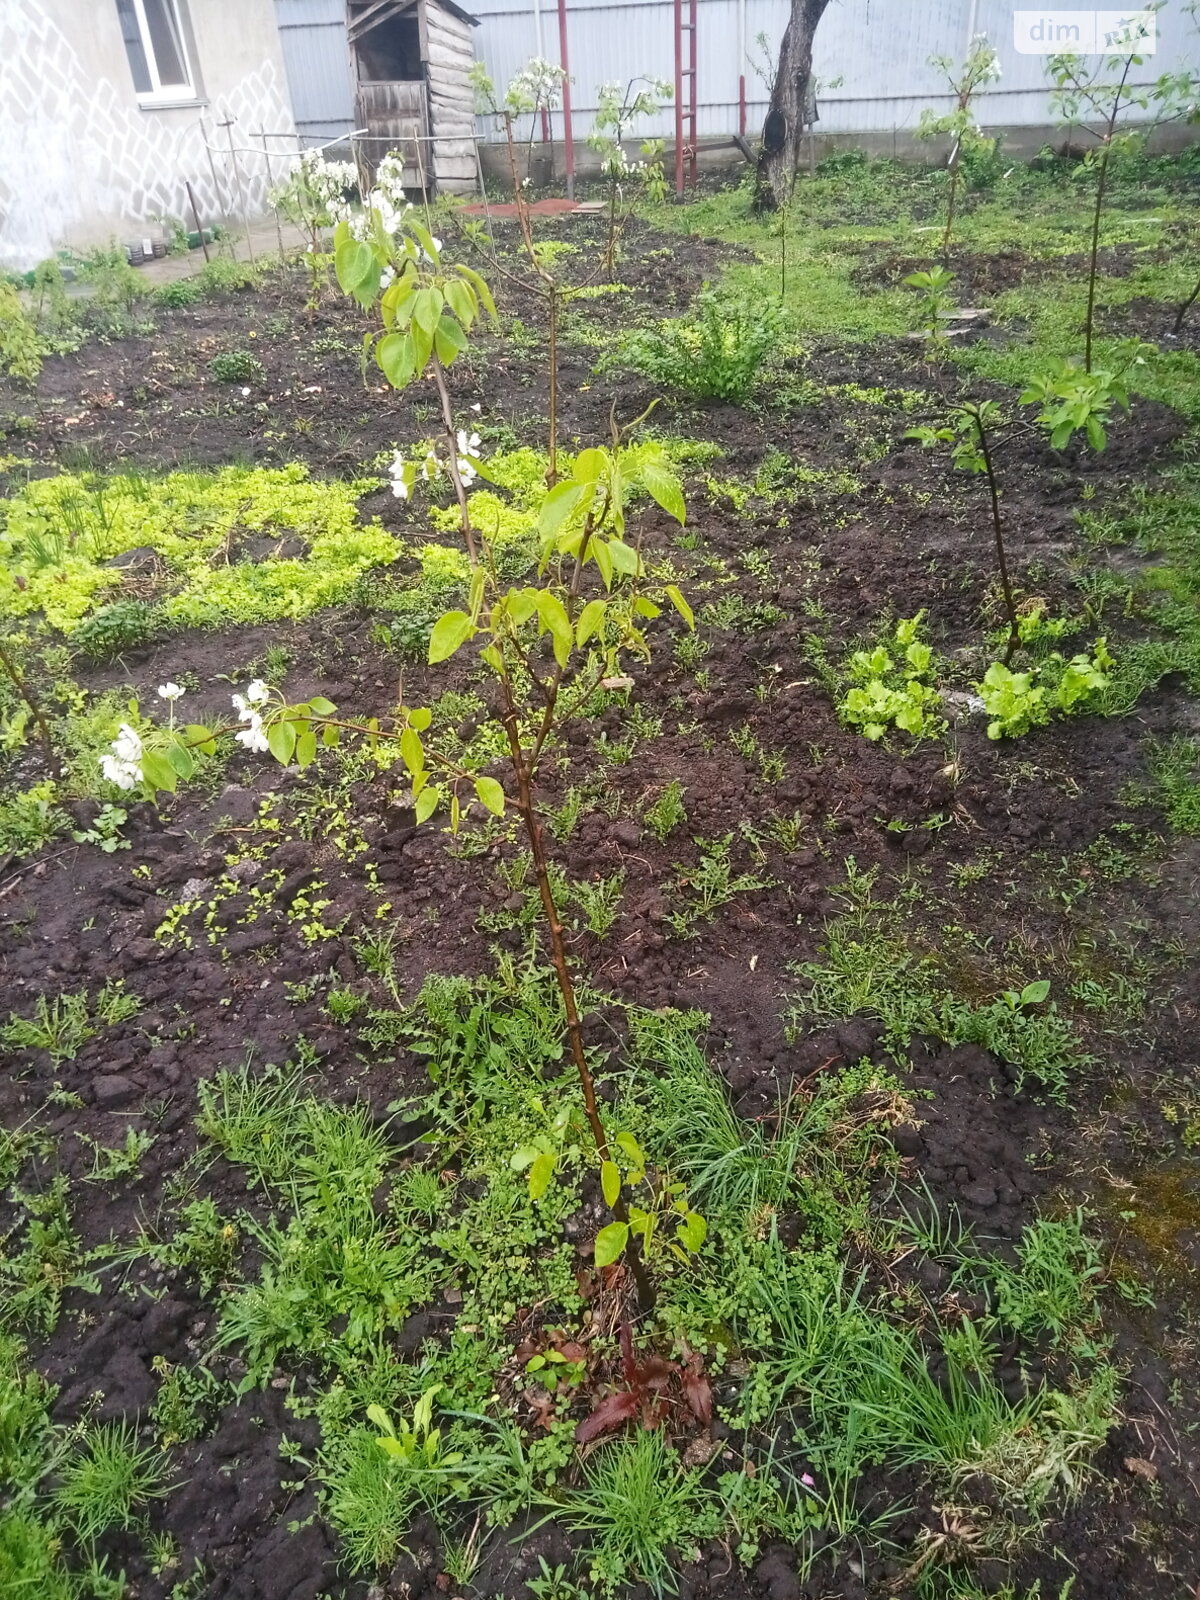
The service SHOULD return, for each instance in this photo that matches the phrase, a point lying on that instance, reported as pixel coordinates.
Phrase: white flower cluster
(124, 766)
(322, 180)
(618, 165)
(405, 473)
(989, 70)
(248, 709)
(391, 215)
(539, 83)
(389, 179)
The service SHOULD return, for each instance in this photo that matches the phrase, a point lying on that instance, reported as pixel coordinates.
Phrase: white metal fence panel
(876, 52)
(317, 57)
(878, 49)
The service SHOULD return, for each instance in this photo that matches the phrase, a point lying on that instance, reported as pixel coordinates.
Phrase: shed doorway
(391, 99)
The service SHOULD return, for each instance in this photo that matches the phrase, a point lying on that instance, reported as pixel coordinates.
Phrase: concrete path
(263, 239)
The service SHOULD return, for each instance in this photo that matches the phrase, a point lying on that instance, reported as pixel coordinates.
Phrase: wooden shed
(411, 63)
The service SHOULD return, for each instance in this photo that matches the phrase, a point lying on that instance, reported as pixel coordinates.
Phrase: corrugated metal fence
(317, 57)
(879, 49)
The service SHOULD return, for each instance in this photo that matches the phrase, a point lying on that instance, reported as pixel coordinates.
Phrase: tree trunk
(783, 130)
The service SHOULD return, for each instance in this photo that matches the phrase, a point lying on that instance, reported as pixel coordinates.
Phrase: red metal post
(692, 134)
(679, 98)
(568, 137)
(683, 144)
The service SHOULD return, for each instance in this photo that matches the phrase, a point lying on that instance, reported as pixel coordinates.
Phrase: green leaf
(590, 466)
(158, 772)
(666, 488)
(450, 633)
(490, 794)
(423, 237)
(521, 604)
(1034, 993)
(523, 1157)
(449, 340)
(428, 801)
(624, 558)
(380, 1418)
(200, 737)
(422, 343)
(629, 1146)
(681, 605)
(396, 358)
(598, 550)
(181, 759)
(460, 297)
(306, 748)
(480, 288)
(281, 737)
(357, 269)
(610, 1242)
(558, 506)
(692, 1231)
(540, 1174)
(646, 608)
(412, 751)
(320, 707)
(420, 718)
(553, 615)
(427, 308)
(610, 1182)
(591, 620)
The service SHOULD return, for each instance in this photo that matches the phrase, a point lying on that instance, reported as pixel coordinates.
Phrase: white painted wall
(81, 162)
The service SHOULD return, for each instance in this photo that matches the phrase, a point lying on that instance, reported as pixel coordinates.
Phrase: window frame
(160, 94)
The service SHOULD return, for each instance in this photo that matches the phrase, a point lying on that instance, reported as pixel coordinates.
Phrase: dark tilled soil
(910, 536)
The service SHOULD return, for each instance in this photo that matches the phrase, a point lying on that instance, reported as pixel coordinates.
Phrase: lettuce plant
(893, 686)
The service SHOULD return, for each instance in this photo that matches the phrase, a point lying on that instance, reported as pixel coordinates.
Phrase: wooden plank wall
(394, 115)
(451, 54)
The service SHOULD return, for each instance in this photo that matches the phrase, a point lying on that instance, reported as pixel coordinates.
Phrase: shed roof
(373, 12)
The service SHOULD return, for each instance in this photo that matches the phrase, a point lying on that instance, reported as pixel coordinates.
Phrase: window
(157, 50)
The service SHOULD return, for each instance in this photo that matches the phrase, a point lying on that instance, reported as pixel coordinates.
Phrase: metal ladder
(685, 146)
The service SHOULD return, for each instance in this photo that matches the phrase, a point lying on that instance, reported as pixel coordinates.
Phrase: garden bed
(786, 931)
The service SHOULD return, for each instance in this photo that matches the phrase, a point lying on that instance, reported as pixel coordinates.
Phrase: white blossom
(539, 83)
(246, 705)
(253, 737)
(124, 766)
(389, 180)
(169, 691)
(245, 390)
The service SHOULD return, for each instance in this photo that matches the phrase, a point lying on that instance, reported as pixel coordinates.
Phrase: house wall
(81, 162)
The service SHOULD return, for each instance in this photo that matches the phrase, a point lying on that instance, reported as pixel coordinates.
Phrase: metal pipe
(679, 99)
(741, 27)
(540, 40)
(568, 137)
